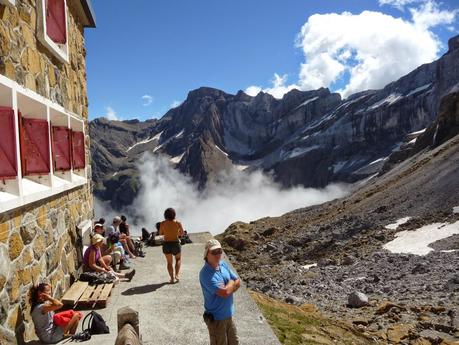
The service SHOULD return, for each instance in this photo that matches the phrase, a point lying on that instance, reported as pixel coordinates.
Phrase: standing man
(218, 283)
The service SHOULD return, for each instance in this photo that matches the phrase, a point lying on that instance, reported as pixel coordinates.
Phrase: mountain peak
(204, 91)
(453, 43)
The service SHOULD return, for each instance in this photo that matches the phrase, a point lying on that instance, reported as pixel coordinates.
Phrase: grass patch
(295, 325)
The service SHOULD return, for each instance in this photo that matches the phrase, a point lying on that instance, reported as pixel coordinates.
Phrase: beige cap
(98, 225)
(97, 238)
(211, 245)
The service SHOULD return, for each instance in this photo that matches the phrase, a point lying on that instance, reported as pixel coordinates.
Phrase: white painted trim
(33, 188)
(61, 51)
(8, 2)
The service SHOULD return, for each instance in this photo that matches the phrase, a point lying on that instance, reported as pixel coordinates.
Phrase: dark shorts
(173, 248)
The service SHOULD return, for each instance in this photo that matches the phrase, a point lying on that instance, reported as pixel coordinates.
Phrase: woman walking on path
(172, 231)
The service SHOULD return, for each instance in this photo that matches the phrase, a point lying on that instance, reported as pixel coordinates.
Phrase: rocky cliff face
(310, 138)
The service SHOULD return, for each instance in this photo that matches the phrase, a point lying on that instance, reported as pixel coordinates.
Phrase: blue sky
(145, 56)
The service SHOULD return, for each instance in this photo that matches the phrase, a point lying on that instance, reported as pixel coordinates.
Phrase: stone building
(45, 192)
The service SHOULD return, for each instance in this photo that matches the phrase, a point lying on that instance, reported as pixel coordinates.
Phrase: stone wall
(25, 60)
(38, 243)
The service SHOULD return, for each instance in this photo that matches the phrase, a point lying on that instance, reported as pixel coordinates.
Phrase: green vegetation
(305, 325)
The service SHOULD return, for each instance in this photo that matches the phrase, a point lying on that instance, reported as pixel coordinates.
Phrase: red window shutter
(8, 162)
(56, 21)
(78, 152)
(61, 148)
(34, 147)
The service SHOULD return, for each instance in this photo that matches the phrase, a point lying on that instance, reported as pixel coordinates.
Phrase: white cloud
(400, 4)
(364, 51)
(214, 209)
(111, 114)
(430, 15)
(253, 90)
(175, 104)
(147, 100)
(278, 89)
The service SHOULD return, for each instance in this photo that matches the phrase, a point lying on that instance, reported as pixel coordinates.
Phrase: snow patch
(379, 160)
(306, 102)
(298, 151)
(241, 167)
(176, 159)
(418, 89)
(338, 166)
(456, 209)
(180, 134)
(157, 136)
(417, 242)
(219, 149)
(412, 141)
(391, 99)
(399, 222)
(418, 132)
(142, 142)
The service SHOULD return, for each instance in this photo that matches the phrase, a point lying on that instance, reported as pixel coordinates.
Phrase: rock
(293, 300)
(357, 300)
(453, 43)
(420, 268)
(453, 283)
(323, 262)
(233, 242)
(269, 232)
(348, 260)
(386, 306)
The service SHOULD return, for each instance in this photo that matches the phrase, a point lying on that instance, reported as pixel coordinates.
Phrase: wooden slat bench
(82, 294)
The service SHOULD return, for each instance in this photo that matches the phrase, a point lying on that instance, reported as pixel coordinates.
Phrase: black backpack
(94, 278)
(96, 324)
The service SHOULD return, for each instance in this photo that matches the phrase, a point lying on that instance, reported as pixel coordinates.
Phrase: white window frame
(21, 191)
(61, 51)
(8, 2)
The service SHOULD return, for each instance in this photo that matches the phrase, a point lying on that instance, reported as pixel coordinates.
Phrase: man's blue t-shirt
(211, 280)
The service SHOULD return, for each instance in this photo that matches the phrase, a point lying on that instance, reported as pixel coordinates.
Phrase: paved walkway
(172, 313)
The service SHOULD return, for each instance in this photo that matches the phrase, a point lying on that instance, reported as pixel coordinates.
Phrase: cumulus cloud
(237, 196)
(111, 114)
(278, 89)
(353, 52)
(147, 100)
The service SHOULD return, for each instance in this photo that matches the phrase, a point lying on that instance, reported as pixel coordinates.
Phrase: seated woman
(93, 261)
(49, 327)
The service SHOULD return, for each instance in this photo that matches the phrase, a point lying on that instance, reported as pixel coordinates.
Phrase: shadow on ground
(137, 290)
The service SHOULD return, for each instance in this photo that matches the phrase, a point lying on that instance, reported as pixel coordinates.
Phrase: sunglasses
(216, 252)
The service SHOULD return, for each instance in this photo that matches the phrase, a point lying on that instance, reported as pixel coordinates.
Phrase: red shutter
(55, 20)
(61, 148)
(8, 162)
(78, 152)
(34, 146)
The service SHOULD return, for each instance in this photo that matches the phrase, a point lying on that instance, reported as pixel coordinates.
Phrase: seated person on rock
(93, 261)
(50, 327)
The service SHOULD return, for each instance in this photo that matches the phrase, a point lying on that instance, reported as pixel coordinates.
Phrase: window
(53, 32)
(8, 164)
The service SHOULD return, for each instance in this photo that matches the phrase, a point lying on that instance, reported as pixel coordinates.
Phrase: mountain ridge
(309, 138)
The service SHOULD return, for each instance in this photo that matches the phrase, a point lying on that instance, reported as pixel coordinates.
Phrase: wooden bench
(82, 294)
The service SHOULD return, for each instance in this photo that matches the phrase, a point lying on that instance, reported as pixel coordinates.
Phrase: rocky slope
(412, 298)
(308, 137)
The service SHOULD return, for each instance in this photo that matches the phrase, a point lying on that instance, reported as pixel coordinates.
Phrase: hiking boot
(130, 275)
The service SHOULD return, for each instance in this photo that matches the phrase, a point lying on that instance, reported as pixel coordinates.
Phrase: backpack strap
(90, 316)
